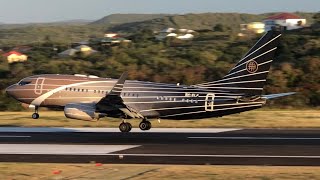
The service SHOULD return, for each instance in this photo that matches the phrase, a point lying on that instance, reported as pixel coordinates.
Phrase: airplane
(90, 97)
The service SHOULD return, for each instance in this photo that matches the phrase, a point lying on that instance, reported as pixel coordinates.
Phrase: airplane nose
(9, 91)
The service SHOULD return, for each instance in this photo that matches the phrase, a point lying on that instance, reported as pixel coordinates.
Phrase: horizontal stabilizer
(272, 96)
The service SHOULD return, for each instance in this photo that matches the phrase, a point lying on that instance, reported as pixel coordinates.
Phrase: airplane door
(209, 102)
(38, 86)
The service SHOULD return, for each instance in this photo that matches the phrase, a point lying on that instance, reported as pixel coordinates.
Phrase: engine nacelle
(81, 111)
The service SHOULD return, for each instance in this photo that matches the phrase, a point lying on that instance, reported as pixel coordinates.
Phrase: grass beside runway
(268, 118)
(35, 171)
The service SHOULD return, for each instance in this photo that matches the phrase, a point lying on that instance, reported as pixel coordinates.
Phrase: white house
(110, 35)
(286, 20)
(182, 34)
(86, 50)
(186, 37)
(255, 27)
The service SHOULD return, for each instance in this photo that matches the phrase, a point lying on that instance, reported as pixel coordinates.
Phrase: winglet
(272, 96)
(117, 88)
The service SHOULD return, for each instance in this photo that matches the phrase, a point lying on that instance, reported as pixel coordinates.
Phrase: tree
(221, 28)
(316, 18)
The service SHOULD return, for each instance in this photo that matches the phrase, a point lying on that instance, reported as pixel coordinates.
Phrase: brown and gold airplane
(90, 97)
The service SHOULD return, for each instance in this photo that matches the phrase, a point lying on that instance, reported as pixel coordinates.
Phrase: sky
(26, 11)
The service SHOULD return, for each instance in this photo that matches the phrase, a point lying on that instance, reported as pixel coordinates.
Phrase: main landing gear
(126, 127)
(35, 115)
(145, 125)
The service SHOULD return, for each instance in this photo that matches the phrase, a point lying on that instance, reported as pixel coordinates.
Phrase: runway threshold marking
(256, 138)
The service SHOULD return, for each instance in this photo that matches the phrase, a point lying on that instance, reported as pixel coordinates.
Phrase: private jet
(90, 97)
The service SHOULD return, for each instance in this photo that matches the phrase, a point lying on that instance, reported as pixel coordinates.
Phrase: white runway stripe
(62, 149)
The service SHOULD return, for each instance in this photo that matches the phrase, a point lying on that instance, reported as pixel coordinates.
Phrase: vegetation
(37, 171)
(254, 119)
(199, 21)
(208, 57)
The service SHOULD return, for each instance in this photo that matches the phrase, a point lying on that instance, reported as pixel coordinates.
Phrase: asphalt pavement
(216, 146)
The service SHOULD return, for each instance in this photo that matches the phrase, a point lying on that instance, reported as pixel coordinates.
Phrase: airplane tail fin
(249, 74)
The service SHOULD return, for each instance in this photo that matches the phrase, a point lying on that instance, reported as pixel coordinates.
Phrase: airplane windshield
(22, 83)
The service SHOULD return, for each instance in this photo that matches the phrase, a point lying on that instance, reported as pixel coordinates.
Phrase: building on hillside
(83, 49)
(107, 41)
(68, 53)
(14, 56)
(86, 50)
(186, 31)
(255, 27)
(111, 35)
(185, 37)
(182, 34)
(287, 21)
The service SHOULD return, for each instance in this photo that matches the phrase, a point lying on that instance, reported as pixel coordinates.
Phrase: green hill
(199, 21)
(115, 19)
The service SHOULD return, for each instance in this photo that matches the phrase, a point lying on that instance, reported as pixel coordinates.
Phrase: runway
(286, 147)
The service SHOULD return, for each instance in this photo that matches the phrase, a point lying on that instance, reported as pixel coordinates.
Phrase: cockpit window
(22, 83)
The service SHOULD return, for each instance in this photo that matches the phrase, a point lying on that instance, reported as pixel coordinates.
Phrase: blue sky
(23, 11)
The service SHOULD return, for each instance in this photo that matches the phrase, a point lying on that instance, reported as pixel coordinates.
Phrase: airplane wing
(272, 96)
(113, 102)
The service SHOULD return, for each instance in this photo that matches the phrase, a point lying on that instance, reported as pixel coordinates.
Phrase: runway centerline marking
(7, 136)
(256, 138)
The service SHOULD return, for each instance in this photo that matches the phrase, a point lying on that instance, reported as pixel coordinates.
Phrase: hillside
(199, 21)
(115, 19)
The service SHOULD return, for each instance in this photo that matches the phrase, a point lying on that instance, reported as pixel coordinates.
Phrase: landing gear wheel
(145, 125)
(35, 116)
(149, 125)
(125, 127)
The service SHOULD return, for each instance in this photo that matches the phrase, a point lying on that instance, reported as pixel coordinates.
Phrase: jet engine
(81, 111)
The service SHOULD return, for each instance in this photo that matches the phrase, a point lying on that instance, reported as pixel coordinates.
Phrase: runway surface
(298, 147)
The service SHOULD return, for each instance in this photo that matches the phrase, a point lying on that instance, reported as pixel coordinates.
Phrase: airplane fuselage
(152, 100)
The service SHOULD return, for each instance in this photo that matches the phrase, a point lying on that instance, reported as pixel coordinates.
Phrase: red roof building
(11, 53)
(283, 16)
(14, 56)
(287, 21)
